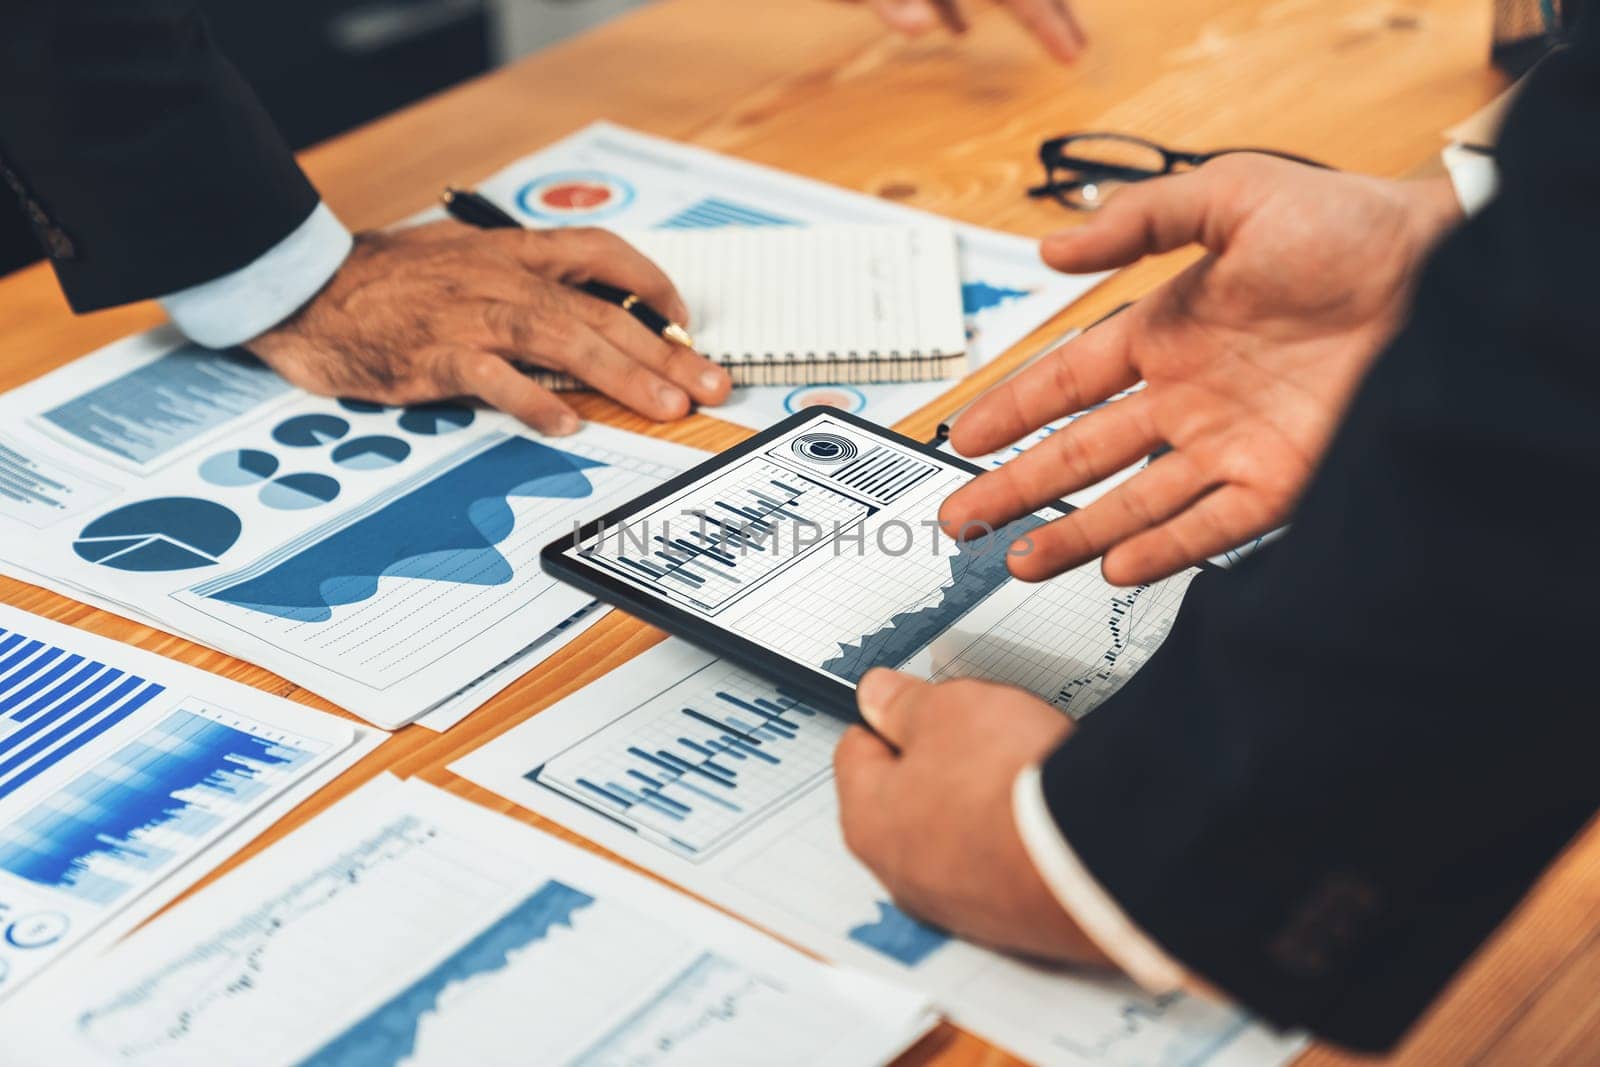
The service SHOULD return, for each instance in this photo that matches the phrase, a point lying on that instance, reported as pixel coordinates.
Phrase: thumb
(1149, 218)
(888, 702)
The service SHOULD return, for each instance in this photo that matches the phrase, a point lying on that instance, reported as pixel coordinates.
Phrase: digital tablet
(812, 553)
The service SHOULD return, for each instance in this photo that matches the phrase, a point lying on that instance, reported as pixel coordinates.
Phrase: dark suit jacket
(142, 159)
(1355, 755)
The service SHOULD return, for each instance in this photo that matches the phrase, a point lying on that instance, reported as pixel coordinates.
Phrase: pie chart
(310, 431)
(175, 533)
(433, 419)
(371, 453)
(296, 492)
(361, 407)
(245, 466)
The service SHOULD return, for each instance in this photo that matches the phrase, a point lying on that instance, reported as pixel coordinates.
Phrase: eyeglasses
(1082, 169)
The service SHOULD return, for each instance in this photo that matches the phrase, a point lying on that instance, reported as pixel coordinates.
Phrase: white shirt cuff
(230, 310)
(1083, 898)
(1475, 176)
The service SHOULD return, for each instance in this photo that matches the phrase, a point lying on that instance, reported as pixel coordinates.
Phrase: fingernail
(877, 690)
(567, 424)
(672, 398)
(711, 380)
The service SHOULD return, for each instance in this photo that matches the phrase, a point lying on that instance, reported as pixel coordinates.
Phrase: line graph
(1072, 641)
(698, 762)
(977, 569)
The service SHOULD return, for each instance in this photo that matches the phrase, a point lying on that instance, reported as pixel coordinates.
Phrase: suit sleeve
(144, 161)
(1357, 752)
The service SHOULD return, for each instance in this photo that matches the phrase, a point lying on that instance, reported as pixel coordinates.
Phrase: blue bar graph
(714, 212)
(111, 827)
(700, 762)
(165, 404)
(53, 702)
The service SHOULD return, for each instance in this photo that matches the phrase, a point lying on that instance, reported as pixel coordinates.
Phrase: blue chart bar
(714, 212)
(162, 405)
(22, 480)
(53, 702)
(108, 829)
(701, 761)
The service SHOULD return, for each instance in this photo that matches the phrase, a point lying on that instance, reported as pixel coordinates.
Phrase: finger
(566, 342)
(1149, 218)
(1079, 374)
(702, 379)
(1074, 24)
(584, 254)
(1084, 452)
(464, 371)
(861, 764)
(1049, 21)
(1142, 503)
(910, 17)
(1213, 524)
(888, 701)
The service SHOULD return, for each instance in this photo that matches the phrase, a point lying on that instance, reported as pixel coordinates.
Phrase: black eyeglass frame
(1094, 171)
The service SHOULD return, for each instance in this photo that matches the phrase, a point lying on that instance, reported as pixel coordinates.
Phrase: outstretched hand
(1250, 357)
(442, 310)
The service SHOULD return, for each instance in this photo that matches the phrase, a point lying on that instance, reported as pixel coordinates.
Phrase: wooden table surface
(815, 87)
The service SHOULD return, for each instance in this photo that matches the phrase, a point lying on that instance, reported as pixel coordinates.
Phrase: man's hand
(1250, 357)
(933, 821)
(441, 310)
(1051, 21)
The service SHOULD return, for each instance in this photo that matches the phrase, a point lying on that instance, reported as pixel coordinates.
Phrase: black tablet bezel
(835, 697)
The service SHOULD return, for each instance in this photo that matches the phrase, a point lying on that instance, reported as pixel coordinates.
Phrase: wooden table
(817, 88)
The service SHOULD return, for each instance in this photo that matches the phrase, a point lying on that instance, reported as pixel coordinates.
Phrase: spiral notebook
(792, 305)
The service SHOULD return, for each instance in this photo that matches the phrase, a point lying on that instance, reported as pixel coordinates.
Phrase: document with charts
(408, 926)
(723, 784)
(820, 544)
(386, 559)
(124, 777)
(606, 175)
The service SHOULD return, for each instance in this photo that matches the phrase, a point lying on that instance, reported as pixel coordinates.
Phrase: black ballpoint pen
(474, 209)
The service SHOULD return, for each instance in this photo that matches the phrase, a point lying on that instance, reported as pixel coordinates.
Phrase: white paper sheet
(769, 848)
(405, 925)
(125, 777)
(385, 559)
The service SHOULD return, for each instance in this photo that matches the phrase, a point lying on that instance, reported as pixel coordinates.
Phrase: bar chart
(742, 528)
(165, 404)
(148, 804)
(53, 702)
(697, 764)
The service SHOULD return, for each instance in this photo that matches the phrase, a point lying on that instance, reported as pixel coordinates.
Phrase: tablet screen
(820, 545)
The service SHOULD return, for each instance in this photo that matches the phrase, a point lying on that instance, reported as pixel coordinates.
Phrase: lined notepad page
(791, 305)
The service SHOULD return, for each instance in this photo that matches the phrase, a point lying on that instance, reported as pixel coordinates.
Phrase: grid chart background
(813, 628)
(1068, 644)
(659, 725)
(719, 583)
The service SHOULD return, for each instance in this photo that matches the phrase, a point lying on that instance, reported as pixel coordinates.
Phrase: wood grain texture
(815, 87)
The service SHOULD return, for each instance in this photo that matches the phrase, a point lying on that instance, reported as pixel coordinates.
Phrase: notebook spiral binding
(811, 368)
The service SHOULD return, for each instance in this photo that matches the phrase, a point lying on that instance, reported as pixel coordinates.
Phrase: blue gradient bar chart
(714, 212)
(53, 702)
(699, 762)
(166, 404)
(145, 806)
